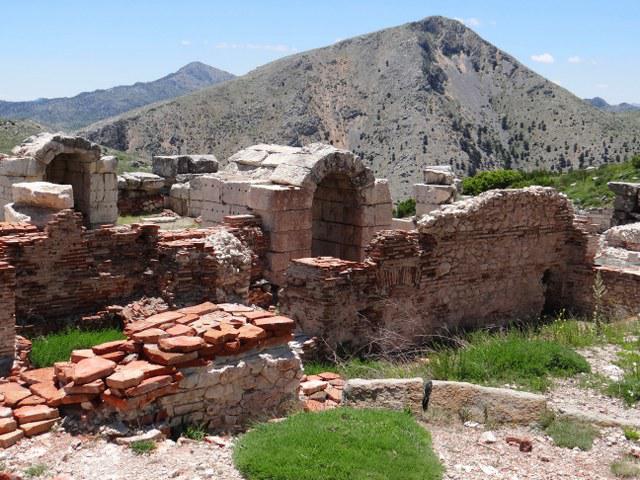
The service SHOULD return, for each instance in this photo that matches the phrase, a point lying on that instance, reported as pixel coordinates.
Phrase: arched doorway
(337, 219)
(70, 169)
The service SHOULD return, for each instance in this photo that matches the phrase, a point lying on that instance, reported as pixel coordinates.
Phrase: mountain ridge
(427, 92)
(602, 104)
(71, 113)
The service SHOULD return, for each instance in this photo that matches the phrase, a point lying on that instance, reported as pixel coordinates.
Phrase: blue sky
(60, 48)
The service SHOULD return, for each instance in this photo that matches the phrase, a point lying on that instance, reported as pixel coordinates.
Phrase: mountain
(13, 132)
(428, 92)
(602, 104)
(79, 111)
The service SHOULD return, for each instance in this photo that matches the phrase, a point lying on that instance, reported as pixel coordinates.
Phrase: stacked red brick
(322, 391)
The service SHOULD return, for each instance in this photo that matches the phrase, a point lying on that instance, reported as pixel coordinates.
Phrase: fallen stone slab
(312, 386)
(43, 194)
(95, 387)
(482, 404)
(39, 375)
(125, 378)
(81, 354)
(153, 434)
(11, 438)
(91, 369)
(109, 347)
(167, 358)
(596, 418)
(48, 391)
(390, 393)
(181, 344)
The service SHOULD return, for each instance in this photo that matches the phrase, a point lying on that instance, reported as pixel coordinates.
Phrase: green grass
(628, 388)
(143, 447)
(587, 188)
(512, 358)
(57, 347)
(340, 444)
(35, 471)
(195, 432)
(567, 433)
(626, 467)
(631, 434)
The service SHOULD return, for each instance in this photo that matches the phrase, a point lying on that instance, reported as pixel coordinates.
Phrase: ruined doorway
(337, 219)
(69, 169)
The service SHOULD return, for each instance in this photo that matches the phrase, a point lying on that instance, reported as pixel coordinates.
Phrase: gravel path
(85, 458)
(467, 458)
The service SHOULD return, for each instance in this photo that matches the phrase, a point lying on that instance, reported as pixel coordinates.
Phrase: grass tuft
(195, 432)
(35, 471)
(57, 347)
(143, 447)
(625, 468)
(631, 434)
(341, 444)
(568, 433)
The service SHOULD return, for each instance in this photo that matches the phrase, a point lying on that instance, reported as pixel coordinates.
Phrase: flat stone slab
(148, 182)
(43, 194)
(37, 216)
(91, 369)
(390, 393)
(482, 404)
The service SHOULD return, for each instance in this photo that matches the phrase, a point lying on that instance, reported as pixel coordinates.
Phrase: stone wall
(502, 256)
(439, 188)
(68, 160)
(67, 270)
(7, 317)
(140, 192)
(626, 208)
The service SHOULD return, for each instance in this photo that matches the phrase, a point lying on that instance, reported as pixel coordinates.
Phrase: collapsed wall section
(7, 317)
(496, 258)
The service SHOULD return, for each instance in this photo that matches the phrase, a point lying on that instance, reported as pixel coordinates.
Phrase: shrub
(631, 434)
(635, 161)
(57, 347)
(143, 447)
(626, 468)
(195, 432)
(508, 358)
(568, 433)
(405, 208)
(490, 180)
(340, 444)
(35, 471)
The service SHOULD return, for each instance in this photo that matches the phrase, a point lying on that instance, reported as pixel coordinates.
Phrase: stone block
(43, 194)
(28, 214)
(11, 438)
(144, 181)
(21, 167)
(377, 193)
(295, 175)
(289, 241)
(393, 394)
(107, 164)
(437, 194)
(439, 175)
(206, 188)
(285, 220)
(484, 404)
(383, 214)
(278, 197)
(235, 192)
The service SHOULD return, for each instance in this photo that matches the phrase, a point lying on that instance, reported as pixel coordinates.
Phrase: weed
(35, 471)
(195, 432)
(625, 468)
(631, 434)
(568, 433)
(143, 447)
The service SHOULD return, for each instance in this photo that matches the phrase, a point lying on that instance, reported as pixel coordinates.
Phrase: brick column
(7, 317)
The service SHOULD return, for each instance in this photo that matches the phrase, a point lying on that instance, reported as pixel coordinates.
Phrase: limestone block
(285, 220)
(170, 166)
(377, 193)
(393, 394)
(437, 194)
(383, 214)
(249, 156)
(148, 182)
(107, 164)
(365, 216)
(43, 194)
(439, 175)
(278, 197)
(235, 192)
(424, 208)
(403, 223)
(298, 176)
(207, 188)
(279, 261)
(484, 404)
(21, 167)
(290, 241)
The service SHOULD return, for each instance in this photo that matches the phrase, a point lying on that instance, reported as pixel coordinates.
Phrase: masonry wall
(499, 257)
(7, 317)
(69, 270)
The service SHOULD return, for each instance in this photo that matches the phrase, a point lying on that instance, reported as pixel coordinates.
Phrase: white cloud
(185, 43)
(575, 59)
(469, 22)
(543, 58)
(256, 46)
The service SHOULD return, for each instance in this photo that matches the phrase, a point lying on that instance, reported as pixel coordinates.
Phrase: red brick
(81, 354)
(231, 348)
(334, 394)
(125, 378)
(92, 388)
(256, 314)
(156, 355)
(35, 414)
(314, 406)
(149, 385)
(149, 369)
(36, 428)
(223, 334)
(31, 400)
(109, 347)
(67, 399)
(48, 391)
(11, 438)
(63, 371)
(329, 376)
(187, 319)
(181, 330)
(116, 357)
(182, 344)
(200, 309)
(7, 425)
(279, 323)
(251, 335)
(151, 335)
(91, 369)
(13, 393)
(38, 375)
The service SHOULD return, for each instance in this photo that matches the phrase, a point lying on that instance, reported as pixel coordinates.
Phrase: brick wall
(502, 256)
(7, 317)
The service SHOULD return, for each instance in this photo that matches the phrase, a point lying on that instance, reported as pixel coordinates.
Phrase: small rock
(488, 437)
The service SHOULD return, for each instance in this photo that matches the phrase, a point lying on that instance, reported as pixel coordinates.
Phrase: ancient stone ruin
(65, 160)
